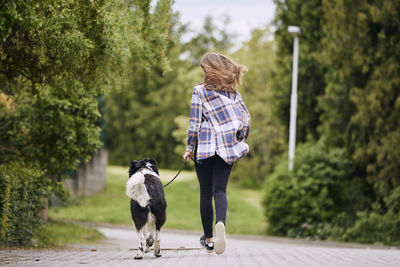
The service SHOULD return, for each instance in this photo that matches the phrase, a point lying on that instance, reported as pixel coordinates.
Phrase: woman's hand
(187, 156)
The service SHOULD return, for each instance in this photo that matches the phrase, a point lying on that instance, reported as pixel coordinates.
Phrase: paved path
(182, 249)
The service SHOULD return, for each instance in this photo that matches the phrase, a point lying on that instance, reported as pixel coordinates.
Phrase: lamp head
(295, 30)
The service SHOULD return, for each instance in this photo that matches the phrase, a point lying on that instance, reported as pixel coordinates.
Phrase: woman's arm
(194, 121)
(245, 131)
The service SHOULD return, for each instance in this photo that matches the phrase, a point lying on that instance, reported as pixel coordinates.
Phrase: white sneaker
(219, 243)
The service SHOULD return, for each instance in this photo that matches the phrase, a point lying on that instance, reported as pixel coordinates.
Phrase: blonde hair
(221, 72)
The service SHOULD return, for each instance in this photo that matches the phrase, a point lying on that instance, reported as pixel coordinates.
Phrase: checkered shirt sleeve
(194, 121)
(243, 134)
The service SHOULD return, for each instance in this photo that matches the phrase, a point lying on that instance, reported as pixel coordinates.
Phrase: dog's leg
(147, 246)
(157, 249)
(142, 243)
(150, 239)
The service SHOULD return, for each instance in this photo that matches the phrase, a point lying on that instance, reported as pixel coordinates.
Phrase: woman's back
(222, 123)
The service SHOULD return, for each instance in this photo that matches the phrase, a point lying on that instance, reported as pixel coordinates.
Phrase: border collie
(148, 204)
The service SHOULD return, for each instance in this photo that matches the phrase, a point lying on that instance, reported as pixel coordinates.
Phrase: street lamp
(295, 31)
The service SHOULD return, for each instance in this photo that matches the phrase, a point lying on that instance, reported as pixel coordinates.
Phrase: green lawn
(59, 234)
(245, 215)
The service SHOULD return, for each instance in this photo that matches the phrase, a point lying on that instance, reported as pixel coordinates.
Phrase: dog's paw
(138, 258)
(147, 250)
(157, 252)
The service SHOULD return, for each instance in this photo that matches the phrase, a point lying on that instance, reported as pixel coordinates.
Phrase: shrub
(305, 201)
(22, 193)
(378, 225)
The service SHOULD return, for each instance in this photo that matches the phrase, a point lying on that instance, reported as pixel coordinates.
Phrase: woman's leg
(204, 174)
(221, 172)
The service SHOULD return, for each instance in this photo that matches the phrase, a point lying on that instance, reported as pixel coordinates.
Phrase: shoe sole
(209, 251)
(219, 244)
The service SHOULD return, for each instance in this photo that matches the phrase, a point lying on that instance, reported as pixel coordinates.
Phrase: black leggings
(213, 174)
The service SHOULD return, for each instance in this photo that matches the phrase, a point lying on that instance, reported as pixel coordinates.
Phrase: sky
(244, 15)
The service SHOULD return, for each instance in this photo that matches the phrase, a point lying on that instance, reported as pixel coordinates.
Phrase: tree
(144, 117)
(211, 38)
(359, 108)
(266, 137)
(309, 16)
(56, 59)
(362, 41)
(140, 118)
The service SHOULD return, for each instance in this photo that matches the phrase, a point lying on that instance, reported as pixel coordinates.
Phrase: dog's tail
(136, 189)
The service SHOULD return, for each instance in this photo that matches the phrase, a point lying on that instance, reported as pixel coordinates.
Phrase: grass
(59, 234)
(245, 215)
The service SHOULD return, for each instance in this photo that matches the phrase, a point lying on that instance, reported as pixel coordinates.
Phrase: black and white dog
(148, 204)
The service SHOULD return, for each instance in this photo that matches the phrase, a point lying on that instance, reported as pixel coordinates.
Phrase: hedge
(22, 193)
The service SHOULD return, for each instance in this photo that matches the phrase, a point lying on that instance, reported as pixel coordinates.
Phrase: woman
(219, 126)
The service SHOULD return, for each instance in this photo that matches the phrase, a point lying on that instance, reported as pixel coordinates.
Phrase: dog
(148, 204)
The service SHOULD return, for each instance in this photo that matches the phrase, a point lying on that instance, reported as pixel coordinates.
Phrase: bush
(378, 225)
(306, 201)
(22, 193)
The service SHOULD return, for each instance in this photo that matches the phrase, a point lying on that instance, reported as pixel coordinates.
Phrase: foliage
(54, 129)
(211, 38)
(362, 102)
(378, 225)
(90, 41)
(180, 134)
(266, 137)
(56, 59)
(22, 193)
(141, 119)
(313, 193)
(349, 97)
(309, 16)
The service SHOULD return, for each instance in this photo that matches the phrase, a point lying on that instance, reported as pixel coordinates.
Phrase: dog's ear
(132, 167)
(154, 165)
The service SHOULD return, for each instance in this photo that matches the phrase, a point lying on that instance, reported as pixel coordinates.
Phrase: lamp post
(295, 31)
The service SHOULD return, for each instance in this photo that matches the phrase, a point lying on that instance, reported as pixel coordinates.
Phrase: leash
(183, 165)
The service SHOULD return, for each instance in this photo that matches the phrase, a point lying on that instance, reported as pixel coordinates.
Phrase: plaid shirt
(220, 122)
